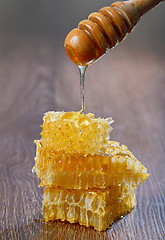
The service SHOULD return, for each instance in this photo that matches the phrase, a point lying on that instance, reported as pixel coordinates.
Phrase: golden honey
(87, 178)
(75, 132)
(117, 166)
(97, 208)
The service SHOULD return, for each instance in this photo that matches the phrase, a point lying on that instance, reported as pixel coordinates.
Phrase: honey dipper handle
(134, 9)
(146, 5)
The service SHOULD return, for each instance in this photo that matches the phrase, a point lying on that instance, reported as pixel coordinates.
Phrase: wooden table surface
(128, 85)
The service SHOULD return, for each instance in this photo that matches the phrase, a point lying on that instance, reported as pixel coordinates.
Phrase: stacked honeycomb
(88, 178)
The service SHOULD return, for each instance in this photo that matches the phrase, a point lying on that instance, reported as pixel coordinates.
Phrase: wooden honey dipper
(104, 29)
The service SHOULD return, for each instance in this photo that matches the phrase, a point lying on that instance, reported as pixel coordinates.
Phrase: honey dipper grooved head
(79, 47)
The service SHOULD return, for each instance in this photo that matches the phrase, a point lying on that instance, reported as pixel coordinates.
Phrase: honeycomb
(116, 166)
(87, 178)
(75, 132)
(92, 207)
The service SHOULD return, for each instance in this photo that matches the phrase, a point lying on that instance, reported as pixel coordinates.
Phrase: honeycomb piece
(117, 166)
(97, 208)
(75, 132)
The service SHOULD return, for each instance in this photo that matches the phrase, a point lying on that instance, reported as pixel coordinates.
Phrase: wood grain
(129, 86)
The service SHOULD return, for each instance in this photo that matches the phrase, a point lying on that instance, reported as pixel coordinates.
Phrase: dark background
(40, 27)
(36, 76)
(54, 19)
